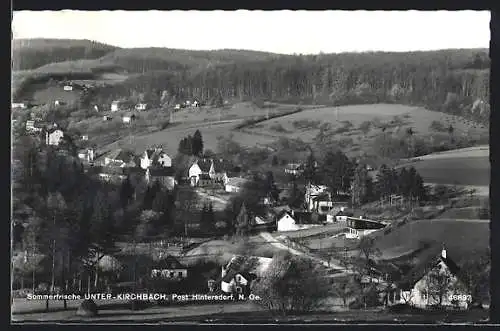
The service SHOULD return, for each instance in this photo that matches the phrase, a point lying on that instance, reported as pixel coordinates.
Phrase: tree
(475, 276)
(292, 285)
(243, 225)
(310, 174)
(197, 143)
(147, 225)
(56, 206)
(439, 285)
(368, 251)
(347, 288)
(126, 192)
(337, 170)
(365, 127)
(207, 221)
(359, 185)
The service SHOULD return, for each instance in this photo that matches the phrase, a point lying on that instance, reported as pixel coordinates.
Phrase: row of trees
(192, 145)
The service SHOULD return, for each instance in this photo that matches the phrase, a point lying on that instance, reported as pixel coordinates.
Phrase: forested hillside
(33, 53)
(453, 81)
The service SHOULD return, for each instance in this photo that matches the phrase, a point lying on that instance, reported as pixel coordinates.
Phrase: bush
(87, 308)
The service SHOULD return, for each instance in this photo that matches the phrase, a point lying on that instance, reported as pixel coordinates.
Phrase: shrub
(87, 308)
(438, 126)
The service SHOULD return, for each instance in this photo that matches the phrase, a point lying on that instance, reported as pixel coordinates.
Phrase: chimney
(443, 253)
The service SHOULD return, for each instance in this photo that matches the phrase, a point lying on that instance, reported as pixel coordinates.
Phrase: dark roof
(112, 170)
(324, 196)
(204, 164)
(205, 176)
(421, 269)
(168, 262)
(162, 172)
(125, 156)
(221, 165)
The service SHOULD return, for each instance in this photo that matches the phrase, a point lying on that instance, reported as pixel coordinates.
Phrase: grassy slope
(262, 133)
(462, 238)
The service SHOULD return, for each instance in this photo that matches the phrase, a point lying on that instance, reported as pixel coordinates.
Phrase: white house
(85, 137)
(199, 168)
(169, 268)
(286, 222)
(340, 215)
(177, 106)
(68, 88)
(234, 184)
(106, 118)
(141, 106)
(18, 105)
(195, 103)
(430, 283)
(128, 118)
(155, 156)
(316, 195)
(115, 106)
(241, 271)
(53, 137)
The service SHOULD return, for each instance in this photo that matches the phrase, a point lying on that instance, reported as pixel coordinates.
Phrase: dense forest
(453, 81)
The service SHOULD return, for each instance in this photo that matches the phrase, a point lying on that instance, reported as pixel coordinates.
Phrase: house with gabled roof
(433, 282)
(292, 220)
(155, 156)
(54, 136)
(237, 276)
(235, 184)
(359, 227)
(198, 168)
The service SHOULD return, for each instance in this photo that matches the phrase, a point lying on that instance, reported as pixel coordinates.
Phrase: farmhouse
(296, 220)
(155, 157)
(359, 227)
(30, 126)
(198, 168)
(430, 283)
(107, 118)
(68, 87)
(165, 176)
(265, 223)
(241, 271)
(235, 184)
(338, 216)
(53, 136)
(177, 106)
(107, 173)
(213, 170)
(85, 138)
(169, 268)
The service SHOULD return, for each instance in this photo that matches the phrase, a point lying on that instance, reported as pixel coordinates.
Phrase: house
(169, 268)
(53, 136)
(87, 155)
(142, 106)
(188, 103)
(219, 169)
(18, 105)
(338, 215)
(155, 157)
(196, 103)
(296, 220)
(177, 106)
(316, 196)
(128, 118)
(85, 138)
(294, 169)
(68, 88)
(96, 108)
(107, 118)
(115, 106)
(165, 176)
(121, 158)
(265, 223)
(432, 282)
(107, 173)
(234, 184)
(198, 168)
(359, 227)
(237, 276)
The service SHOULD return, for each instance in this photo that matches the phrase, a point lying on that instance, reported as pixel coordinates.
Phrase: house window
(398, 296)
(171, 274)
(425, 296)
(179, 274)
(239, 290)
(238, 278)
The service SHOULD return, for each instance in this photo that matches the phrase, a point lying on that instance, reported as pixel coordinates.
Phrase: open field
(461, 170)
(418, 118)
(48, 95)
(462, 238)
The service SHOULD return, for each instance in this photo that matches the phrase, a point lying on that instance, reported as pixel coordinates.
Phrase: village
(275, 214)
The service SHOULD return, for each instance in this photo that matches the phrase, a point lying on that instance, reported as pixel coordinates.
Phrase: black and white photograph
(249, 166)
